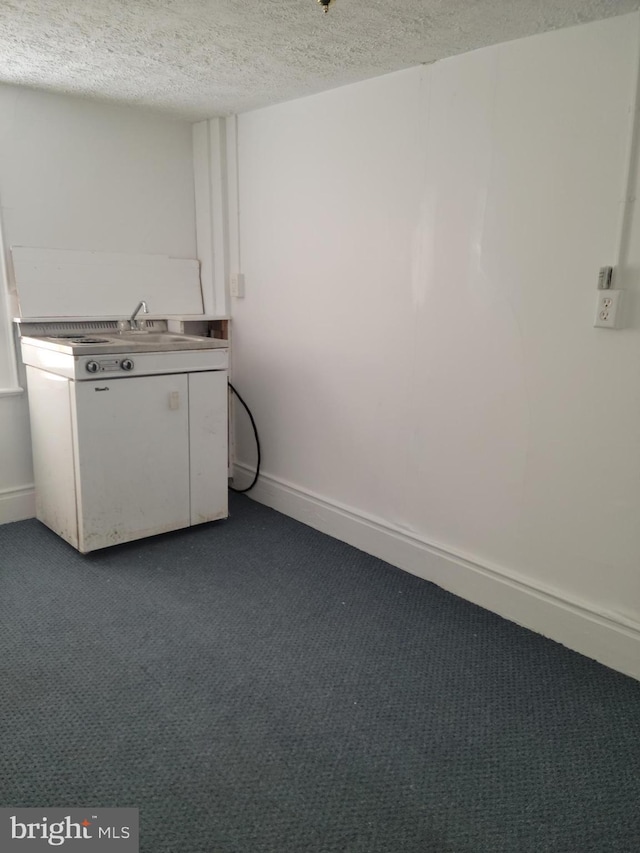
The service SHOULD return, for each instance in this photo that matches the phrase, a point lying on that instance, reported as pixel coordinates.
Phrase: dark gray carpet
(254, 686)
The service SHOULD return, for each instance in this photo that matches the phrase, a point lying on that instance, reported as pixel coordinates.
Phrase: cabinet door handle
(106, 388)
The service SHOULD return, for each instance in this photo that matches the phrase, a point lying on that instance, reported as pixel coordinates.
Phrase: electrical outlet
(237, 285)
(608, 309)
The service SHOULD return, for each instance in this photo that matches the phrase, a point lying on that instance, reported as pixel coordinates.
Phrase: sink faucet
(133, 323)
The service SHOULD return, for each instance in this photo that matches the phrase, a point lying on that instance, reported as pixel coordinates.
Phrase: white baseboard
(606, 637)
(17, 504)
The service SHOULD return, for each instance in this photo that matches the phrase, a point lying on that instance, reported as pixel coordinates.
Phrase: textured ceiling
(199, 58)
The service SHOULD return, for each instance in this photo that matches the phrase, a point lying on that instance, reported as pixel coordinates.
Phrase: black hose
(255, 432)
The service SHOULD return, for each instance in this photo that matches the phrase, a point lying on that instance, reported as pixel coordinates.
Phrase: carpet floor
(254, 686)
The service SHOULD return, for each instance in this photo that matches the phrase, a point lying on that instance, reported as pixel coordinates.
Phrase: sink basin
(159, 337)
(163, 341)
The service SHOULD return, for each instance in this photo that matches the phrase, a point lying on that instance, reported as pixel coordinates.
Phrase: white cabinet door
(132, 458)
(208, 428)
(52, 445)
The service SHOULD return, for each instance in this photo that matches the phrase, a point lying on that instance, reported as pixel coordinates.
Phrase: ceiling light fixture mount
(325, 5)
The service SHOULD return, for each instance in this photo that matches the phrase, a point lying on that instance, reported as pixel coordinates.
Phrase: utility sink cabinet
(118, 458)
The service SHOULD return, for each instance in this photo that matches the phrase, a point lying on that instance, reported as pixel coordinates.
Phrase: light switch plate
(237, 285)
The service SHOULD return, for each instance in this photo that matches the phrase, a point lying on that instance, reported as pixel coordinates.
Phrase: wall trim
(17, 504)
(210, 180)
(607, 637)
(204, 212)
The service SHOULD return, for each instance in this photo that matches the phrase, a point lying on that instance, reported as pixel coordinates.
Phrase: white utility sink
(163, 341)
(159, 337)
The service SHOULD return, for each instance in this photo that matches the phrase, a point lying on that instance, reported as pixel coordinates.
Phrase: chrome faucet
(133, 323)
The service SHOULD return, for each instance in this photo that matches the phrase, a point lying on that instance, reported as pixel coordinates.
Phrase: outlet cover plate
(608, 309)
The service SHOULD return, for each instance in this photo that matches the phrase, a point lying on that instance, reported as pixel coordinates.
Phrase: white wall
(81, 175)
(421, 254)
